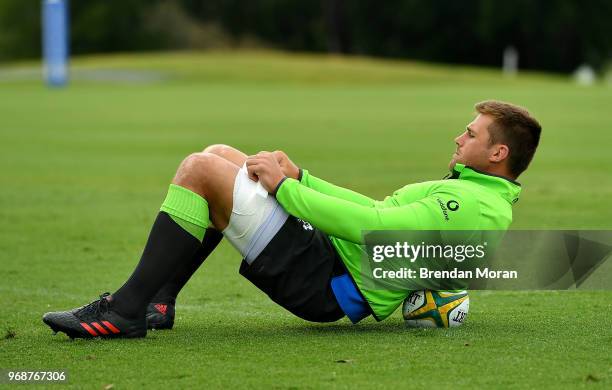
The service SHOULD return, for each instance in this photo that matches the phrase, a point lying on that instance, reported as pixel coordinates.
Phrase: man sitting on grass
(301, 237)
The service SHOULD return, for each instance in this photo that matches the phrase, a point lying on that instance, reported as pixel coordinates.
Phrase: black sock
(169, 247)
(170, 290)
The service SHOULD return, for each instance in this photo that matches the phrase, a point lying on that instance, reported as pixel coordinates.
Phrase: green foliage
(556, 35)
(112, 25)
(20, 31)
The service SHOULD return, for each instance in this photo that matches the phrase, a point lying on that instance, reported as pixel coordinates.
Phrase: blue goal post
(55, 31)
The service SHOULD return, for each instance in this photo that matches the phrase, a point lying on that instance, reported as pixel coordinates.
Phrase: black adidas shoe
(160, 315)
(96, 319)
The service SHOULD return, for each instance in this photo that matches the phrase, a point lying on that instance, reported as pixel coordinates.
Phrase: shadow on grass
(304, 329)
(196, 332)
(344, 328)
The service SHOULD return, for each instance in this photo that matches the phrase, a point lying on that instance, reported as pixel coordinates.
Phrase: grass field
(85, 169)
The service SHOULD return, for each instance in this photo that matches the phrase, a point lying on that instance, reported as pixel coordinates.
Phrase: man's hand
(264, 167)
(287, 166)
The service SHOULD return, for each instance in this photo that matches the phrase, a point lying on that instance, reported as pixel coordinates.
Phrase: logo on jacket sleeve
(451, 205)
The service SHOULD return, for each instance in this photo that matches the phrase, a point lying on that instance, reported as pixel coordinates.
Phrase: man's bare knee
(218, 149)
(194, 171)
(228, 153)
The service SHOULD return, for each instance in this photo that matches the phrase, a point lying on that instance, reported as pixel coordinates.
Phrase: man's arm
(347, 220)
(330, 189)
(291, 170)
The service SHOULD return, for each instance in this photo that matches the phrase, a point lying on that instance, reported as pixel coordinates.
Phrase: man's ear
(500, 153)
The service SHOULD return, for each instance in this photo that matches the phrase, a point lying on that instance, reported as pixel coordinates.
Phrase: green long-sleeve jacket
(468, 200)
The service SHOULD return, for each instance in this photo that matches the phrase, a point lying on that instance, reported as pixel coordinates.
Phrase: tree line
(551, 35)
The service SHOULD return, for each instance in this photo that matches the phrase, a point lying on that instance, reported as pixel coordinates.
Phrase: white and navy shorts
(285, 257)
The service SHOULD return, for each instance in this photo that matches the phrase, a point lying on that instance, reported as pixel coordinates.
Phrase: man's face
(473, 147)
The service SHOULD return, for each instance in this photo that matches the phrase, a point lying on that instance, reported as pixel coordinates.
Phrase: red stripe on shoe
(89, 329)
(161, 308)
(111, 327)
(99, 327)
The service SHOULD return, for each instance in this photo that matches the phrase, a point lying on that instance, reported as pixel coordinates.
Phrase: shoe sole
(73, 334)
(159, 322)
(159, 327)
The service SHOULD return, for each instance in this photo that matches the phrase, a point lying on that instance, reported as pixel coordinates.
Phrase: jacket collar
(507, 188)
